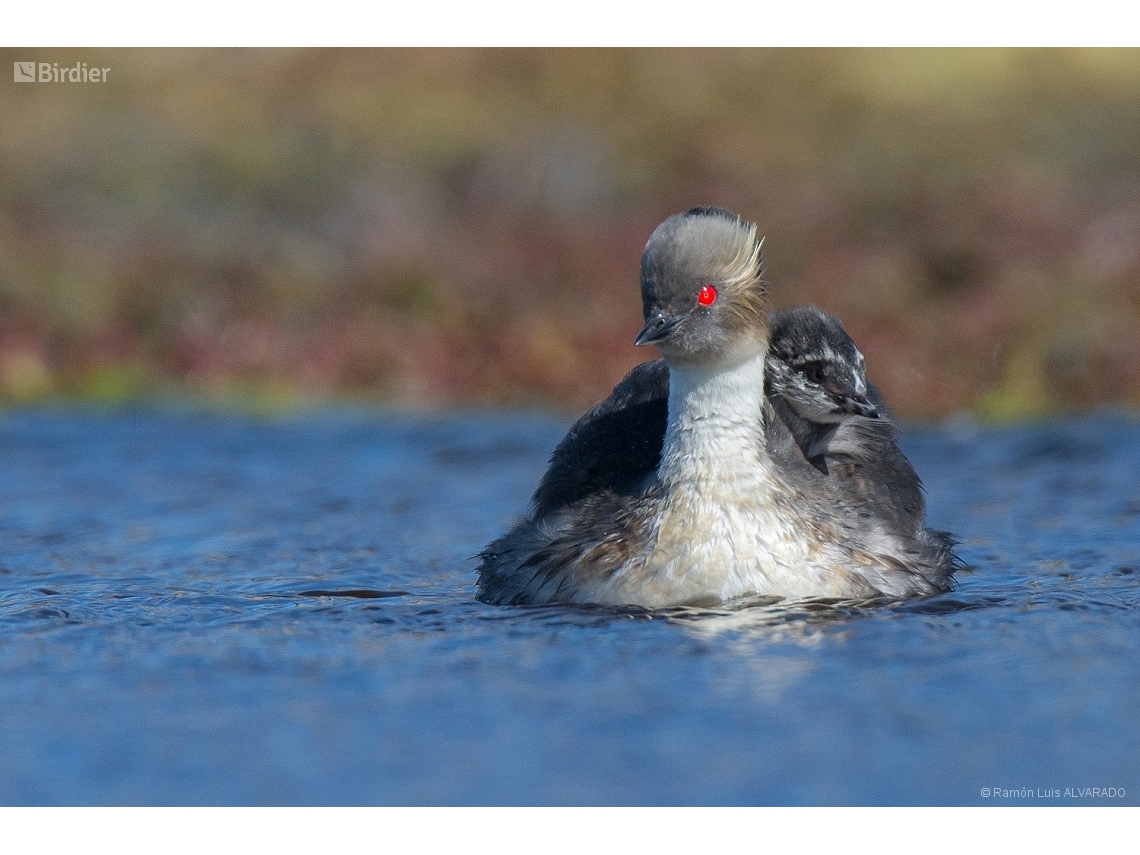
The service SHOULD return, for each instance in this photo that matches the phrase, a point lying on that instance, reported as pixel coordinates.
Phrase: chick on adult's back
(817, 385)
(716, 517)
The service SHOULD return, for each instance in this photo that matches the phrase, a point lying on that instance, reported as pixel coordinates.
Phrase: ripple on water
(207, 608)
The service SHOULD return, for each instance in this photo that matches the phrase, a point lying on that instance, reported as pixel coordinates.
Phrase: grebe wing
(614, 446)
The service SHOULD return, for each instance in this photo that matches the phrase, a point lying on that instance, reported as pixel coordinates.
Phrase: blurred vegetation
(434, 227)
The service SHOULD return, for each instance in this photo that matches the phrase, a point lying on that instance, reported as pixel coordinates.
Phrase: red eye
(707, 295)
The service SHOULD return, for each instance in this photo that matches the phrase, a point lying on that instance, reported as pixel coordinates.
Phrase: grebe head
(703, 297)
(816, 368)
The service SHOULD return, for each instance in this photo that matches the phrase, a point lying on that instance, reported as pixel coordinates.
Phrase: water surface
(198, 608)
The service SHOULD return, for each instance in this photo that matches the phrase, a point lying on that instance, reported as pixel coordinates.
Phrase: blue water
(199, 608)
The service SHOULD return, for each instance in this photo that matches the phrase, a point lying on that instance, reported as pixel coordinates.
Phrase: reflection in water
(202, 608)
(771, 618)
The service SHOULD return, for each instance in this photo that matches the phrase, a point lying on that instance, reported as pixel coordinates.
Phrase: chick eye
(813, 371)
(707, 295)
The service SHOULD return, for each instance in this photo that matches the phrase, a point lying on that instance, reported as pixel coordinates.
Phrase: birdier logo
(52, 72)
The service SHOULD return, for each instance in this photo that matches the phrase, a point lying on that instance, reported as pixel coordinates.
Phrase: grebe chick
(716, 516)
(816, 377)
(816, 382)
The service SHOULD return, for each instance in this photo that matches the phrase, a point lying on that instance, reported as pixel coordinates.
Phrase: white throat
(716, 422)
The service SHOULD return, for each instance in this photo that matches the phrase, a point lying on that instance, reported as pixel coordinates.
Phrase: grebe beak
(658, 327)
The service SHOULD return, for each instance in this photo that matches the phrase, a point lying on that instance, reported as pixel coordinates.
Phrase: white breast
(728, 525)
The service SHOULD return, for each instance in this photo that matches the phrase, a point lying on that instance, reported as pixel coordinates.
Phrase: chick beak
(857, 403)
(658, 327)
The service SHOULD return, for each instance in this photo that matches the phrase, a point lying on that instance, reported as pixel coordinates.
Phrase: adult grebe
(723, 502)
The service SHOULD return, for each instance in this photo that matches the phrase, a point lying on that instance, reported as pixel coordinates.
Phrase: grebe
(721, 502)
